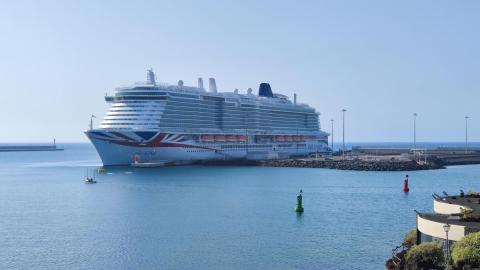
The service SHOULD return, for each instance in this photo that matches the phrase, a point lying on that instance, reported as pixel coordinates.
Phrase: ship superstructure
(152, 122)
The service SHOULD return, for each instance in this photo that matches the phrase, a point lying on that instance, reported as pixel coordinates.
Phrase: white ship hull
(126, 148)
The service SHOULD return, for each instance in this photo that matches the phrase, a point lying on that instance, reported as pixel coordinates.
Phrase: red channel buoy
(405, 185)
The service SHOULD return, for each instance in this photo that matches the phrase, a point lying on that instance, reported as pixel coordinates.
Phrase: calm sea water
(196, 217)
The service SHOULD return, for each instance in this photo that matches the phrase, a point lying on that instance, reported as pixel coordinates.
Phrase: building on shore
(453, 218)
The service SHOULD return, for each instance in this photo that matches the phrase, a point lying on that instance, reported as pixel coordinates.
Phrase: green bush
(473, 194)
(410, 238)
(466, 252)
(471, 217)
(425, 256)
(465, 211)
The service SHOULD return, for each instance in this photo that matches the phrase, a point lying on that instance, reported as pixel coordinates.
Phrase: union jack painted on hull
(140, 140)
(149, 146)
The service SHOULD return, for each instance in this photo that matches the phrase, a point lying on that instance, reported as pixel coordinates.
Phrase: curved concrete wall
(435, 229)
(445, 208)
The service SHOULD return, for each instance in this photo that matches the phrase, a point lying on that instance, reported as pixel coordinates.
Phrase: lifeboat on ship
(231, 138)
(279, 138)
(241, 138)
(208, 138)
(288, 138)
(219, 138)
(297, 138)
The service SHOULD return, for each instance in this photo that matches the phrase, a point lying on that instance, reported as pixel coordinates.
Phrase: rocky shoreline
(355, 165)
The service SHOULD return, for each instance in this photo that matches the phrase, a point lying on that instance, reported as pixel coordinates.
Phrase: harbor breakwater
(355, 164)
(27, 148)
(370, 159)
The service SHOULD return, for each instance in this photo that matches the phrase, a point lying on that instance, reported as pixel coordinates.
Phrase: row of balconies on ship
(203, 100)
(453, 218)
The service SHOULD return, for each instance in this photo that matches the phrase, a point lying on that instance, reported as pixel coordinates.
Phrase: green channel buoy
(299, 208)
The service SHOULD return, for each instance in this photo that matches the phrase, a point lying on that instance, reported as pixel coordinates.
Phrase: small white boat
(148, 164)
(90, 180)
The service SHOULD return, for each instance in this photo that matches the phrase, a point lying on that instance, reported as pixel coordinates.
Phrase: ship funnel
(212, 86)
(151, 77)
(180, 83)
(200, 83)
(249, 91)
(264, 90)
(295, 98)
(235, 91)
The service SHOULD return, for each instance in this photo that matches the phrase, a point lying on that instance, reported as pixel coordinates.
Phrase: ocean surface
(194, 217)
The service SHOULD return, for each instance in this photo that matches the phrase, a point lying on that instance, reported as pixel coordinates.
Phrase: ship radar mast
(151, 77)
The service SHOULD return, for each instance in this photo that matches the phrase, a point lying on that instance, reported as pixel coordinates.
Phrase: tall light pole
(343, 133)
(415, 136)
(414, 130)
(91, 121)
(331, 135)
(466, 133)
(446, 228)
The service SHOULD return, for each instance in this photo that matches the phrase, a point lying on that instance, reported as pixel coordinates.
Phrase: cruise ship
(157, 123)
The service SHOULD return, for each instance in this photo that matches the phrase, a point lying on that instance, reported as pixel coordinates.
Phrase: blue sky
(381, 60)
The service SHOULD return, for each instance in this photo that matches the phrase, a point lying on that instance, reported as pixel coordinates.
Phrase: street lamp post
(91, 121)
(343, 133)
(414, 135)
(466, 133)
(446, 228)
(331, 120)
(415, 131)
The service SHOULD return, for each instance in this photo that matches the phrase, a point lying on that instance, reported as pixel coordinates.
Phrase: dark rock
(355, 164)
